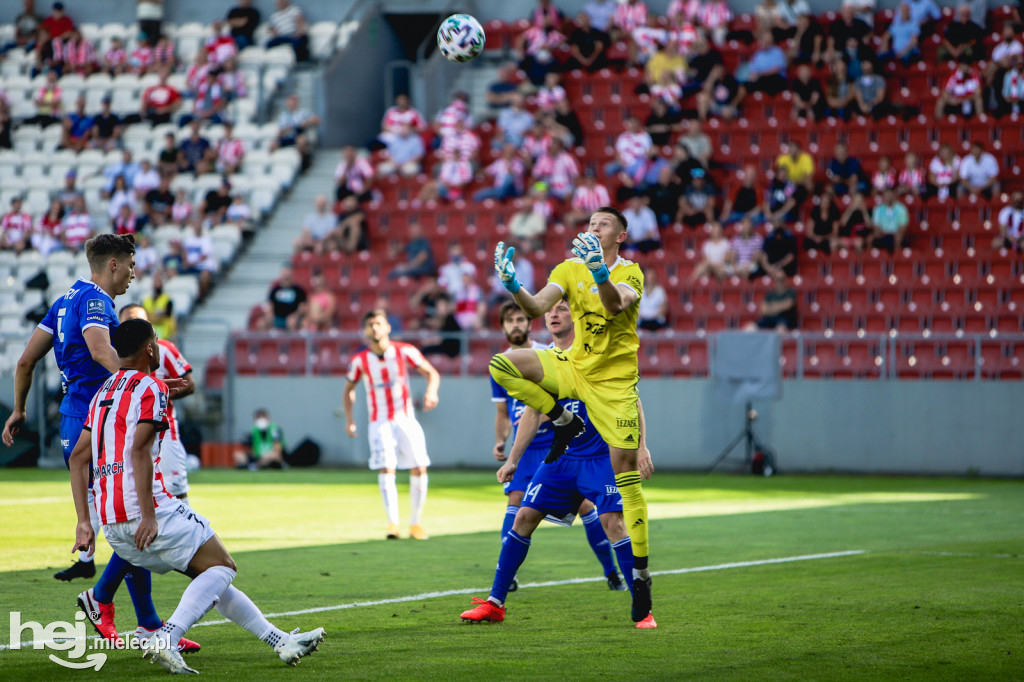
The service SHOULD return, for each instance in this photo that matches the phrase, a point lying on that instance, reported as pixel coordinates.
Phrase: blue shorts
(70, 430)
(558, 489)
(528, 465)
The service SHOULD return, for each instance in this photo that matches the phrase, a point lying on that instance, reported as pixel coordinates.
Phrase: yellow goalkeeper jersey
(605, 347)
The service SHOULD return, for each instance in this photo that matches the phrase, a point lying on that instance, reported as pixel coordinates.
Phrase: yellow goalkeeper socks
(634, 511)
(524, 390)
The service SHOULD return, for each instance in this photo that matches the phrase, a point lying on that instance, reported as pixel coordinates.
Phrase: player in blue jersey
(77, 327)
(557, 490)
(516, 327)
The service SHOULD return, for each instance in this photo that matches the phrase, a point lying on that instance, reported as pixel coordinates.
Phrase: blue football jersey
(85, 305)
(589, 443)
(542, 441)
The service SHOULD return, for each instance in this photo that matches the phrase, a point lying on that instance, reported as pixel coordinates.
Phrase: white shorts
(398, 444)
(180, 533)
(172, 466)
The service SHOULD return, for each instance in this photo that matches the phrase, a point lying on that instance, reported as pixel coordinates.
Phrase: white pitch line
(551, 583)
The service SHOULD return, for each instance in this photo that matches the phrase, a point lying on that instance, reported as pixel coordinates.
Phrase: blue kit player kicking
(557, 490)
(78, 327)
(516, 327)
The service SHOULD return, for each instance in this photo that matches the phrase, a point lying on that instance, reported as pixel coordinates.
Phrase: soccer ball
(460, 38)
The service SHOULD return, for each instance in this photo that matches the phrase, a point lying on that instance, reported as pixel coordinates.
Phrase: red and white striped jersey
(386, 379)
(355, 176)
(632, 146)
(685, 35)
(647, 38)
(230, 151)
(535, 146)
(669, 93)
(77, 229)
(128, 398)
(548, 98)
(501, 169)
(590, 199)
(450, 116)
(628, 17)
(16, 226)
(537, 40)
(912, 177)
(460, 146)
(395, 118)
(560, 172)
(686, 8)
(714, 14)
(173, 365)
(963, 85)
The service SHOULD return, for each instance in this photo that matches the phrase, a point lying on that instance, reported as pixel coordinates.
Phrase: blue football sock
(599, 541)
(624, 552)
(117, 568)
(513, 553)
(510, 518)
(140, 586)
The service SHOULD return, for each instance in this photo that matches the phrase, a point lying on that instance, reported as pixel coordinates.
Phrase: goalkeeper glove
(505, 268)
(587, 247)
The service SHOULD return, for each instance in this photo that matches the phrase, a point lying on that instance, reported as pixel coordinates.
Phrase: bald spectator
(766, 70)
(979, 172)
(962, 39)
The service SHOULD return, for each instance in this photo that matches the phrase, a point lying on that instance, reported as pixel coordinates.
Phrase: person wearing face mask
(263, 444)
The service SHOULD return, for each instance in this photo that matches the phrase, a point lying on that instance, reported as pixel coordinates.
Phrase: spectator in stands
(507, 173)
(48, 102)
(846, 28)
(912, 179)
(901, 40)
(704, 65)
(294, 127)
(778, 309)
(698, 144)
(645, 40)
(146, 257)
(210, 100)
(68, 194)
(721, 96)
(47, 236)
(403, 153)
(824, 229)
(5, 123)
(321, 306)
(766, 70)
(142, 59)
(884, 176)
(115, 59)
(195, 153)
(1011, 224)
(126, 167)
(961, 95)
(545, 10)
(126, 222)
(588, 46)
(512, 124)
(530, 222)
(558, 168)
(652, 312)
(243, 19)
(196, 72)
(160, 101)
(664, 197)
(808, 95)
(550, 93)
(869, 92)
(240, 213)
(450, 276)
(925, 13)
(979, 172)
(778, 254)
(458, 152)
(26, 25)
(838, 91)
(77, 53)
(565, 123)
(419, 257)
(501, 91)
(783, 198)
(58, 23)
(808, 44)
(219, 46)
(643, 233)
(854, 225)
(146, 179)
(354, 175)
(181, 209)
(169, 157)
(108, 129)
(631, 145)
(962, 39)
(628, 16)
(215, 203)
(286, 303)
(78, 127)
(457, 111)
(288, 27)
(799, 164)
(1002, 63)
(17, 228)
(944, 173)
(744, 249)
(230, 151)
(588, 196)
(150, 16)
(159, 306)
(535, 50)
(44, 58)
(77, 228)
(600, 14)
(845, 172)
(470, 307)
(745, 203)
(661, 123)
(1013, 87)
(439, 318)
(200, 256)
(890, 220)
(697, 205)
(776, 18)
(685, 165)
(400, 114)
(715, 257)
(121, 194)
(159, 204)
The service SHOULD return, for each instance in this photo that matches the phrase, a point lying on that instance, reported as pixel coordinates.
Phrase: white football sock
(417, 496)
(236, 606)
(196, 601)
(389, 493)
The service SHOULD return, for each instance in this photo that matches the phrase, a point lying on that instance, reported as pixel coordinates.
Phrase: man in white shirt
(631, 146)
(600, 13)
(979, 172)
(1011, 225)
(288, 27)
(642, 234)
(321, 221)
(405, 151)
(653, 312)
(450, 275)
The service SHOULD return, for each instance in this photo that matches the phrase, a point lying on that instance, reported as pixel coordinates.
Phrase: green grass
(935, 595)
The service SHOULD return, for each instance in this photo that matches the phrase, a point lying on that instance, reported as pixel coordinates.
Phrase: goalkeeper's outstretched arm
(535, 305)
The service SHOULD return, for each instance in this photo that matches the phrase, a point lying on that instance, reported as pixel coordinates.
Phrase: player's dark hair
(104, 246)
(130, 306)
(130, 336)
(615, 212)
(375, 312)
(507, 308)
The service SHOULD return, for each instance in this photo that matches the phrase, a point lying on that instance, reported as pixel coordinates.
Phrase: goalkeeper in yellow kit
(600, 368)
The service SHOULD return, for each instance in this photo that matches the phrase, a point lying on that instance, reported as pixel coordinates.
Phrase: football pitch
(787, 578)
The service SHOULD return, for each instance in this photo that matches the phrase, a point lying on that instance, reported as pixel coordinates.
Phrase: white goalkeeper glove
(587, 247)
(505, 268)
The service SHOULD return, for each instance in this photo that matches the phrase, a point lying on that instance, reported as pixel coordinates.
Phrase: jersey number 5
(60, 323)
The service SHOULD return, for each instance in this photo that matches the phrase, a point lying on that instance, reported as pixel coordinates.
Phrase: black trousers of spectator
(769, 85)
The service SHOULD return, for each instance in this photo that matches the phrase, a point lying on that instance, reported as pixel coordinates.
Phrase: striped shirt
(141, 58)
(355, 175)
(537, 40)
(386, 380)
(285, 22)
(714, 14)
(230, 151)
(127, 399)
(669, 93)
(16, 226)
(451, 115)
(685, 36)
(912, 177)
(460, 146)
(746, 247)
(590, 199)
(395, 118)
(631, 147)
(173, 365)
(502, 169)
(77, 229)
(558, 171)
(115, 57)
(74, 55)
(548, 98)
(647, 38)
(628, 17)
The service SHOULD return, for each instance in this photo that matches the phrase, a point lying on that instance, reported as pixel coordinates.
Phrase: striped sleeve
(412, 355)
(354, 369)
(153, 404)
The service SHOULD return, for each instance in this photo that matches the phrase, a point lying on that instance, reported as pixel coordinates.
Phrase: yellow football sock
(634, 511)
(523, 390)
